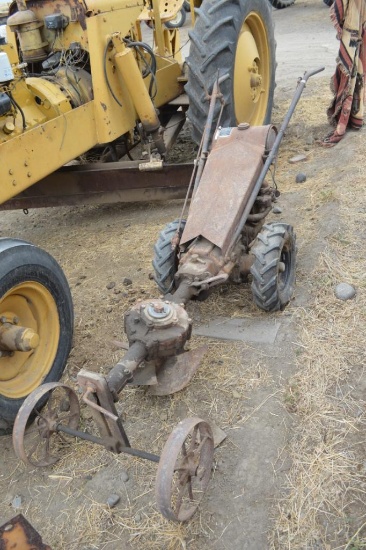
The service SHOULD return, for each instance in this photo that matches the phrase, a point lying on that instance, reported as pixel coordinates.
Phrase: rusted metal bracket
(104, 183)
(18, 534)
(104, 411)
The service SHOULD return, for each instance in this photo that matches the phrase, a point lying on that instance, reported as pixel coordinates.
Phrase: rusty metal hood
(231, 171)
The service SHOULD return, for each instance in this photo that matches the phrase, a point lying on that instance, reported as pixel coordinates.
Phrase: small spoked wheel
(42, 444)
(184, 469)
(274, 266)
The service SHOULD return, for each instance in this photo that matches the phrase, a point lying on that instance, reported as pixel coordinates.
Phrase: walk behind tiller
(223, 238)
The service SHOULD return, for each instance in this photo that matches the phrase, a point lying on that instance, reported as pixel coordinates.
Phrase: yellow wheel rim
(252, 72)
(29, 304)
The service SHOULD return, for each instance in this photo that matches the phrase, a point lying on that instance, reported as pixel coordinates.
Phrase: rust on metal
(35, 447)
(184, 469)
(90, 391)
(103, 183)
(18, 534)
(123, 371)
(145, 375)
(164, 334)
(110, 429)
(218, 205)
(176, 372)
(16, 338)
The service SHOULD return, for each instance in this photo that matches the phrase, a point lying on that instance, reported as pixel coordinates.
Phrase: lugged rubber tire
(165, 262)
(34, 291)
(280, 4)
(235, 38)
(275, 248)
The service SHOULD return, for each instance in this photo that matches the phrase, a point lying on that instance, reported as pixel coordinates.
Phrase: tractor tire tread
(267, 252)
(213, 47)
(164, 261)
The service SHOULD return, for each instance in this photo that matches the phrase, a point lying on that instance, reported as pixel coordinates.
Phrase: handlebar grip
(308, 74)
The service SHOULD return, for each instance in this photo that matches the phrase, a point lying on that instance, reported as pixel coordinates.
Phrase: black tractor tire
(274, 266)
(165, 262)
(280, 4)
(233, 38)
(33, 293)
(178, 21)
(187, 5)
(328, 3)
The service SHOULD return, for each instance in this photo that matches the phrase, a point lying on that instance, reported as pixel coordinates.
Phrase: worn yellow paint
(166, 9)
(34, 307)
(56, 131)
(131, 75)
(111, 119)
(252, 71)
(40, 151)
(168, 85)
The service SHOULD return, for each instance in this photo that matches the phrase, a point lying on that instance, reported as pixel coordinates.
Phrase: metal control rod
(100, 441)
(273, 153)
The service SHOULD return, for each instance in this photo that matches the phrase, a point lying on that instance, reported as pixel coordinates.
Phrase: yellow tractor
(94, 78)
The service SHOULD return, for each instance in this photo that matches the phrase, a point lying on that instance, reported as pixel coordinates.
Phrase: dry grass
(324, 500)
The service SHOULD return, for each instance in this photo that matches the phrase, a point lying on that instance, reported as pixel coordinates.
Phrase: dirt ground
(291, 473)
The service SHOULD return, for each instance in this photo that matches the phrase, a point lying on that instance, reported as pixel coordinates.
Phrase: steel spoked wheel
(41, 444)
(235, 39)
(184, 469)
(36, 324)
(274, 266)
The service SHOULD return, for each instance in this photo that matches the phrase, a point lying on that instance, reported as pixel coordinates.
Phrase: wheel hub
(46, 426)
(189, 465)
(15, 338)
(251, 74)
(255, 82)
(160, 313)
(29, 335)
